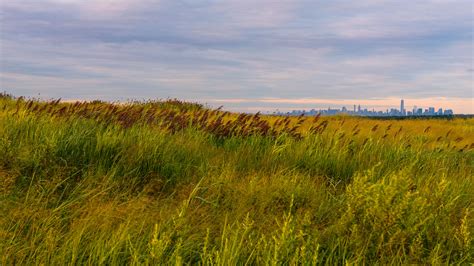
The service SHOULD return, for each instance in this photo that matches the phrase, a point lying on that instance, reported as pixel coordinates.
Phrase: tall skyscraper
(402, 107)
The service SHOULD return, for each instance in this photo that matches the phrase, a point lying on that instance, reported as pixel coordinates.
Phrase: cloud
(248, 14)
(237, 49)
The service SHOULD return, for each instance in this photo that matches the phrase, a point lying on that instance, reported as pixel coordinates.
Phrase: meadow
(169, 182)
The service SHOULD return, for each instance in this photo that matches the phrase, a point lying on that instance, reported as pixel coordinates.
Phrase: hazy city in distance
(357, 110)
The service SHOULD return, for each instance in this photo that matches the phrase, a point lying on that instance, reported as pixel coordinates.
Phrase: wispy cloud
(238, 49)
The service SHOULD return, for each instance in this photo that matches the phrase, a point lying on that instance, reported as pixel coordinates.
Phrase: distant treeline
(424, 117)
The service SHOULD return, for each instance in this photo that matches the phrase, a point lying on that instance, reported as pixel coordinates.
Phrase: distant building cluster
(358, 111)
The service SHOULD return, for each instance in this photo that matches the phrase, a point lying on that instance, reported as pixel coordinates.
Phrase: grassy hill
(173, 182)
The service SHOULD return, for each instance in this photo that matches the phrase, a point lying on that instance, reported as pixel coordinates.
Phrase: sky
(246, 55)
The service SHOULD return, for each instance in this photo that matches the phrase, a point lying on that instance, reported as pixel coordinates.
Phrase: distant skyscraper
(402, 107)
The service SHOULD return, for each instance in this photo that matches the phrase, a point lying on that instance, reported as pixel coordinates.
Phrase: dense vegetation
(173, 182)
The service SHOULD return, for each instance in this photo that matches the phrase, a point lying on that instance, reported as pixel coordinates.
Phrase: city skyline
(270, 105)
(359, 110)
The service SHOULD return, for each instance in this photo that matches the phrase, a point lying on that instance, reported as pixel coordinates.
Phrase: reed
(170, 182)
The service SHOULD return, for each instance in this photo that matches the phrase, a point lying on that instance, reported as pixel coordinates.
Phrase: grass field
(175, 183)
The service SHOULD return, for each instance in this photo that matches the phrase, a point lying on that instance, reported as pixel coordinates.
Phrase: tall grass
(172, 182)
